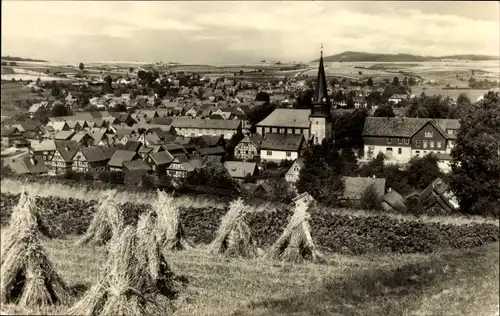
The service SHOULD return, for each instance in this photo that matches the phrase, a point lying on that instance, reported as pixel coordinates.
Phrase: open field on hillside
(12, 93)
(461, 282)
(473, 94)
(441, 72)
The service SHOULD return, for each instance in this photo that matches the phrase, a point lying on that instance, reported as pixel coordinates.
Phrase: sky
(226, 32)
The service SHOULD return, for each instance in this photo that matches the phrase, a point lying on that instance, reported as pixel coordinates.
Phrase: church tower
(320, 118)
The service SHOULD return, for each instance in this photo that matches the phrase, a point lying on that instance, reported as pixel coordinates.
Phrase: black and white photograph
(250, 158)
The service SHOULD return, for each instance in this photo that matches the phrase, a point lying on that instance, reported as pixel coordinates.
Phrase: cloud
(216, 32)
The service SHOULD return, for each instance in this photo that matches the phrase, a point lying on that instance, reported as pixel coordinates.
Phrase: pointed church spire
(321, 92)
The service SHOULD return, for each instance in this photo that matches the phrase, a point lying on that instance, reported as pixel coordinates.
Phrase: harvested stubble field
(458, 282)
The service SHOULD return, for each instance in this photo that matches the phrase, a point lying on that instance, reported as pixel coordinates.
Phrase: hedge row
(332, 232)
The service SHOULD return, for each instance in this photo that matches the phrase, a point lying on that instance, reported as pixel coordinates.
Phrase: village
(256, 132)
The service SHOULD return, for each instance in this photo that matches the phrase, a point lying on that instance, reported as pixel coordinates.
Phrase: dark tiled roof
(287, 142)
(210, 140)
(210, 124)
(67, 149)
(120, 156)
(8, 131)
(136, 165)
(394, 126)
(395, 201)
(133, 145)
(64, 135)
(239, 169)
(161, 121)
(162, 157)
(93, 154)
(211, 151)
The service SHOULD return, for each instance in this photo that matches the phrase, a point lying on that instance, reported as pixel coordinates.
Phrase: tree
(395, 81)
(55, 91)
(435, 106)
(107, 87)
(60, 110)
(348, 128)
(384, 111)
(405, 81)
(411, 81)
(118, 107)
(262, 96)
(304, 100)
(422, 171)
(241, 72)
(370, 82)
(81, 66)
(350, 103)
(322, 174)
(350, 162)
(259, 113)
(370, 200)
(374, 167)
(476, 158)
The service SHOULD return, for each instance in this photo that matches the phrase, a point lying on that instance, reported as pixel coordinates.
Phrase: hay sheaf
(107, 219)
(233, 236)
(136, 280)
(168, 227)
(296, 244)
(28, 278)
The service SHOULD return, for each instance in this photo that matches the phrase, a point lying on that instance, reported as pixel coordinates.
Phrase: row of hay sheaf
(331, 231)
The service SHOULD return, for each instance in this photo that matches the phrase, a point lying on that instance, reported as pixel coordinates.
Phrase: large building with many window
(400, 138)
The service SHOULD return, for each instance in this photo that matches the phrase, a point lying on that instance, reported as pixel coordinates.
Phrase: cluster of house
(155, 142)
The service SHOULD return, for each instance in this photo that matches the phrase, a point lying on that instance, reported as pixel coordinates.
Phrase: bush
(370, 199)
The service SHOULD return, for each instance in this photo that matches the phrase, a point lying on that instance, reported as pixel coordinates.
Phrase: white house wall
(444, 165)
(404, 157)
(277, 155)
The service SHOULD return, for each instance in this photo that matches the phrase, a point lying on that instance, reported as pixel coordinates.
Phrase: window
(438, 144)
(388, 152)
(417, 143)
(428, 134)
(289, 154)
(425, 144)
(407, 141)
(45, 152)
(388, 140)
(400, 151)
(417, 152)
(154, 168)
(269, 153)
(431, 143)
(451, 132)
(400, 141)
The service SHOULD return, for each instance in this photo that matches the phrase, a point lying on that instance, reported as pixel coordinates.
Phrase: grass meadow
(461, 282)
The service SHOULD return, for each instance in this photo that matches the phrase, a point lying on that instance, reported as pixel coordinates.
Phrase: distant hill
(11, 58)
(359, 57)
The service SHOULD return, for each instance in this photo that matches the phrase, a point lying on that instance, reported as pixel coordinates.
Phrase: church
(314, 123)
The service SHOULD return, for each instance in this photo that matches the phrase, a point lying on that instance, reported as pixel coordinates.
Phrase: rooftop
(286, 142)
(287, 118)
